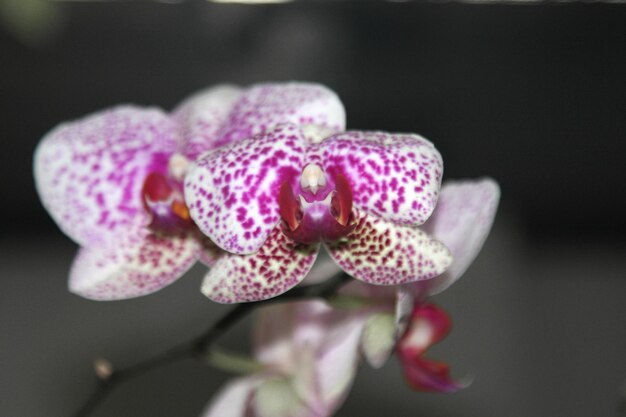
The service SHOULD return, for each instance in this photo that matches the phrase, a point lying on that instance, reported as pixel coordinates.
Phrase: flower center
(320, 209)
(163, 198)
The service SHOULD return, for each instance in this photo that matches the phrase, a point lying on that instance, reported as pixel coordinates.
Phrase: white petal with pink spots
(277, 267)
(264, 106)
(382, 253)
(135, 265)
(232, 193)
(89, 173)
(202, 117)
(393, 176)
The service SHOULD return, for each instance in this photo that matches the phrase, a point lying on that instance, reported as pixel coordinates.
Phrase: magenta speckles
(89, 173)
(394, 176)
(360, 193)
(271, 271)
(243, 180)
(136, 265)
(301, 104)
(379, 252)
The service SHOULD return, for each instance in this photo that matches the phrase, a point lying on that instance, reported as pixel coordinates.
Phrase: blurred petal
(273, 334)
(132, 267)
(405, 300)
(461, 221)
(266, 105)
(89, 173)
(319, 345)
(202, 117)
(232, 193)
(393, 176)
(277, 267)
(277, 397)
(429, 325)
(382, 253)
(337, 359)
(233, 399)
(379, 338)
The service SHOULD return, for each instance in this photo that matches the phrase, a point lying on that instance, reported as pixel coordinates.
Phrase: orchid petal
(277, 397)
(232, 192)
(337, 359)
(405, 300)
(319, 344)
(273, 331)
(233, 399)
(382, 253)
(461, 221)
(277, 267)
(379, 339)
(89, 173)
(393, 176)
(313, 107)
(429, 325)
(202, 117)
(134, 266)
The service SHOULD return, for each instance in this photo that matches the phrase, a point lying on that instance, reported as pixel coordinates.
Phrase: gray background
(533, 96)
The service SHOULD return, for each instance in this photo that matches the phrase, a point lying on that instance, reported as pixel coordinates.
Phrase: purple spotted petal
(382, 253)
(89, 173)
(134, 266)
(393, 176)
(266, 105)
(277, 267)
(232, 193)
(461, 221)
(202, 117)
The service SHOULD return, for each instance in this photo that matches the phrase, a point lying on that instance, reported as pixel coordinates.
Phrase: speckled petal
(461, 221)
(232, 193)
(89, 173)
(382, 253)
(277, 267)
(202, 117)
(393, 176)
(132, 267)
(313, 107)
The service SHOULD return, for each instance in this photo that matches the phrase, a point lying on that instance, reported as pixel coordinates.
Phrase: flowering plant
(255, 182)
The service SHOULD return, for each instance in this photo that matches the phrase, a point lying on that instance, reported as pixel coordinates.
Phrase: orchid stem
(202, 346)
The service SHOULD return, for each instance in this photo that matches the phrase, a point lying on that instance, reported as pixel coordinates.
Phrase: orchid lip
(326, 217)
(163, 200)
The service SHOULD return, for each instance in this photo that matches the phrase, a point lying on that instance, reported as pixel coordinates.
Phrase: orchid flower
(112, 181)
(271, 200)
(309, 352)
(461, 220)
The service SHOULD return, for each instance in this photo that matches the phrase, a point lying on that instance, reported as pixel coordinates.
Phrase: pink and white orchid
(461, 220)
(272, 199)
(113, 183)
(113, 180)
(309, 353)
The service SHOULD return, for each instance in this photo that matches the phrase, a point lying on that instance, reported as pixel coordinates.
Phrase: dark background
(532, 95)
